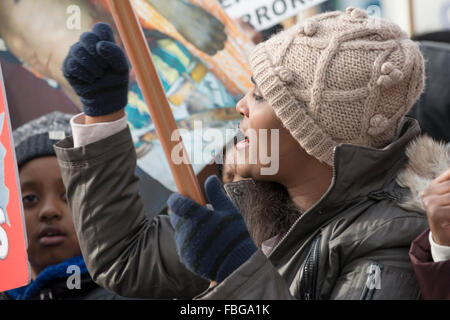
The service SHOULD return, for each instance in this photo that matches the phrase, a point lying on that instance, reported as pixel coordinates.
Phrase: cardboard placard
(14, 267)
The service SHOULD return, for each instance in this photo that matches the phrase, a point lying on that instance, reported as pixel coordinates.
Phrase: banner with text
(263, 14)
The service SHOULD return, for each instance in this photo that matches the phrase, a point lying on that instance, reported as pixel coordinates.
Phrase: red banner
(14, 268)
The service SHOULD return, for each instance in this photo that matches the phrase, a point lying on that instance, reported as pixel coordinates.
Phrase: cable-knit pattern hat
(340, 78)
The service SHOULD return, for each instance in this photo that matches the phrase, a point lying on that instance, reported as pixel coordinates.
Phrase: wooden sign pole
(139, 54)
(412, 27)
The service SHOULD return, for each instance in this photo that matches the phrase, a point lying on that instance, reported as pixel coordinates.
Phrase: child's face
(50, 230)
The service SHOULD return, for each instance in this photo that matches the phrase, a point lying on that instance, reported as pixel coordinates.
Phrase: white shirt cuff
(438, 252)
(84, 134)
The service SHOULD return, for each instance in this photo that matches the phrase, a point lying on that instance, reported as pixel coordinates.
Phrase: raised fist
(98, 71)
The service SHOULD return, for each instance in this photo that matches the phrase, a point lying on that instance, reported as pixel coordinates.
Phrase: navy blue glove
(98, 71)
(212, 244)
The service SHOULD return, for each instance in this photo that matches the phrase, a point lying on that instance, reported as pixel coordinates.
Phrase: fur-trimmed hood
(427, 159)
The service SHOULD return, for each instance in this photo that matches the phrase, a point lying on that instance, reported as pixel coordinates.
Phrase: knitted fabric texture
(211, 244)
(340, 78)
(58, 271)
(36, 138)
(97, 69)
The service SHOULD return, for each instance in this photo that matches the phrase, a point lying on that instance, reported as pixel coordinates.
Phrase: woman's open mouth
(242, 140)
(243, 143)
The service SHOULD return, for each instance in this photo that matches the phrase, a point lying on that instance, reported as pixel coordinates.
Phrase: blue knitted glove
(98, 71)
(210, 243)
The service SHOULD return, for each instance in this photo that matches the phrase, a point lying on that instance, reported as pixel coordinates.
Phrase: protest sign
(200, 55)
(154, 95)
(14, 268)
(263, 14)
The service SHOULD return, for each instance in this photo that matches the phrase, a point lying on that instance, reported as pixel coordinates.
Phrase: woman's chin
(250, 171)
(245, 171)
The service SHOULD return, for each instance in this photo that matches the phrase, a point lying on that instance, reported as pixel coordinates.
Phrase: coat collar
(358, 171)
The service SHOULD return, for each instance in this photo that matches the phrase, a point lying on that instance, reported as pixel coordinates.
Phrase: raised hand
(98, 71)
(210, 243)
(436, 199)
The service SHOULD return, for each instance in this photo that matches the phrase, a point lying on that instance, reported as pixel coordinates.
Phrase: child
(57, 267)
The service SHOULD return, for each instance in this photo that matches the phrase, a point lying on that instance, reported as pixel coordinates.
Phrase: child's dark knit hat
(36, 138)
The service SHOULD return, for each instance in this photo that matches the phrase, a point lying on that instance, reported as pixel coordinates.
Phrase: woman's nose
(241, 107)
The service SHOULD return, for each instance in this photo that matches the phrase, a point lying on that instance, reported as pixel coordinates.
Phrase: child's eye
(64, 197)
(258, 98)
(30, 199)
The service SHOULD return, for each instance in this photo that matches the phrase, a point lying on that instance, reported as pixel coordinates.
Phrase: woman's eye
(64, 197)
(258, 98)
(30, 199)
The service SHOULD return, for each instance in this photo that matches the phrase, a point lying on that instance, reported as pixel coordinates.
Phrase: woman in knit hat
(335, 89)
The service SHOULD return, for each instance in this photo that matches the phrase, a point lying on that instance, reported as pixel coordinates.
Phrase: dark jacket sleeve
(255, 279)
(124, 251)
(433, 277)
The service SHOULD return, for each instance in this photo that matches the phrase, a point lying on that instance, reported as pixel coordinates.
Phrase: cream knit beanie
(340, 78)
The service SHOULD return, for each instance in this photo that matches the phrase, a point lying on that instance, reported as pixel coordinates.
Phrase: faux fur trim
(427, 159)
